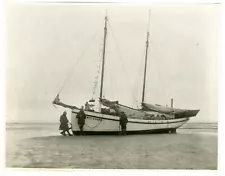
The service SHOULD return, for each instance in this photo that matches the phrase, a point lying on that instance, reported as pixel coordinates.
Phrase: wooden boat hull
(97, 123)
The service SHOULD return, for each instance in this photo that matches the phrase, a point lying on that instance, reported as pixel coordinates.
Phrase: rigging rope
(158, 73)
(78, 60)
(110, 74)
(93, 126)
(120, 57)
(71, 123)
(136, 89)
(148, 28)
(96, 80)
(56, 108)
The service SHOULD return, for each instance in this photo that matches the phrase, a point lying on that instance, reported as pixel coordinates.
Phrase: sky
(51, 45)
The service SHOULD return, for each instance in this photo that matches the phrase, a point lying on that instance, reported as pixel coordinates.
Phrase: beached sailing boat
(149, 119)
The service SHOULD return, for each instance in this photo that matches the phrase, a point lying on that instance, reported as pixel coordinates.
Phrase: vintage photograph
(112, 85)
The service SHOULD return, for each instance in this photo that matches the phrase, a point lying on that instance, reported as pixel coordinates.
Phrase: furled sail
(130, 112)
(135, 113)
(158, 108)
(169, 110)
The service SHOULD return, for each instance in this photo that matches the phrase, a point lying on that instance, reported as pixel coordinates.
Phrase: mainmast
(103, 57)
(146, 61)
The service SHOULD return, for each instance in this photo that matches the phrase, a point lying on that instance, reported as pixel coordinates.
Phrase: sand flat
(45, 148)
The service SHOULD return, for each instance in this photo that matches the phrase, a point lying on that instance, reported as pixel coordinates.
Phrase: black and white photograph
(112, 85)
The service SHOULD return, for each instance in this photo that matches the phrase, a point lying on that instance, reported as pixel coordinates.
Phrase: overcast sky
(48, 42)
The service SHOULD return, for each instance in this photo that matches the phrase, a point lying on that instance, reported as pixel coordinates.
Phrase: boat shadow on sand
(99, 136)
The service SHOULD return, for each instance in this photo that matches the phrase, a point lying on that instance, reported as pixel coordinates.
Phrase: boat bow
(57, 101)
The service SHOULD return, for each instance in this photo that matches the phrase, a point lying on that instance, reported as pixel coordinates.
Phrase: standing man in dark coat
(64, 124)
(81, 116)
(123, 122)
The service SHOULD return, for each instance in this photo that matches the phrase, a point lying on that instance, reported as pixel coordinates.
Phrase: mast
(103, 56)
(146, 61)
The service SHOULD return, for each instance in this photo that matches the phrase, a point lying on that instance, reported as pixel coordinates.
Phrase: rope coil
(93, 126)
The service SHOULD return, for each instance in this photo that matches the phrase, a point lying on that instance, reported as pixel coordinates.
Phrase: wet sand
(45, 148)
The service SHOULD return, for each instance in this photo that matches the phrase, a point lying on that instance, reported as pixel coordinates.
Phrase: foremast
(103, 57)
(57, 100)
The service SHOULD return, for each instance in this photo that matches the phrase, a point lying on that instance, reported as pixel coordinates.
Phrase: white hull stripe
(168, 121)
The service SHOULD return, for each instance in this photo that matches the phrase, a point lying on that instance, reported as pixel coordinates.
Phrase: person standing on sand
(123, 122)
(64, 124)
(81, 116)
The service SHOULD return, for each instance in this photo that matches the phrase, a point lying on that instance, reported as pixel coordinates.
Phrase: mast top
(149, 13)
(106, 16)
